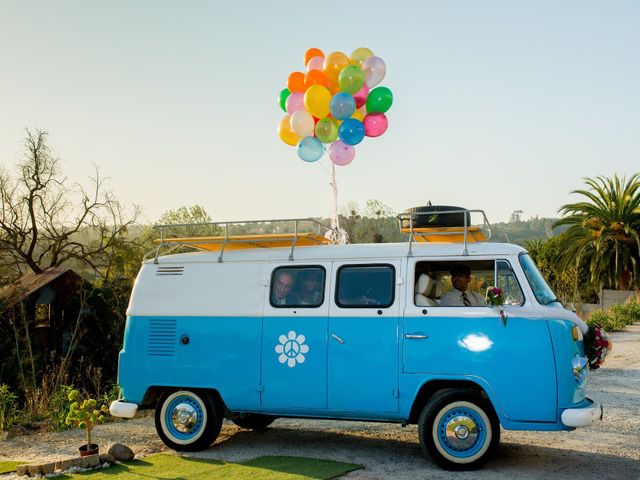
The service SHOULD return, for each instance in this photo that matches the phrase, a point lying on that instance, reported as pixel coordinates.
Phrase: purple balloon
(341, 154)
(295, 102)
(374, 70)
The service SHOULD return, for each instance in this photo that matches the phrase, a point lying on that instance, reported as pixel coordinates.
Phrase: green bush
(607, 320)
(7, 406)
(59, 406)
(626, 313)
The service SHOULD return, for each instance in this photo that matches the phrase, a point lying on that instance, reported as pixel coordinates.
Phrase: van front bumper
(582, 417)
(123, 409)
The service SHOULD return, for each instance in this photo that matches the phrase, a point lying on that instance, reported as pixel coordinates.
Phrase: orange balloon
(295, 82)
(333, 64)
(312, 52)
(316, 77)
(285, 133)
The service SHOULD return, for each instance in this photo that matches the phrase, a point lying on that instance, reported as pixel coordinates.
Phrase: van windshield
(541, 289)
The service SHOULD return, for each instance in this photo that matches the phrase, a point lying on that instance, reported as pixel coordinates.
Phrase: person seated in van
(310, 288)
(460, 295)
(283, 283)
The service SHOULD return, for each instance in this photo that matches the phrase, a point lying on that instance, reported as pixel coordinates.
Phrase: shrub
(608, 321)
(7, 406)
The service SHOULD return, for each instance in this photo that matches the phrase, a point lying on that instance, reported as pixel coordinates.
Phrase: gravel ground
(607, 450)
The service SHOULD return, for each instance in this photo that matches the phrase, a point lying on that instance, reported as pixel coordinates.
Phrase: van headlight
(576, 333)
(579, 368)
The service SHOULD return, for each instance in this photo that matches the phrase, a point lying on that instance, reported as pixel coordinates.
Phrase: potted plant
(86, 414)
(7, 405)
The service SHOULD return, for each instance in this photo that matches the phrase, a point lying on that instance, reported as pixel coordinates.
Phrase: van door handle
(413, 336)
(337, 338)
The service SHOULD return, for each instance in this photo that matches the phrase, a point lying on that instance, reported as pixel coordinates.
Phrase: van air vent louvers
(170, 270)
(162, 337)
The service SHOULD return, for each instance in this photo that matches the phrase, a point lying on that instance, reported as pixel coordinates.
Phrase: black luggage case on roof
(430, 218)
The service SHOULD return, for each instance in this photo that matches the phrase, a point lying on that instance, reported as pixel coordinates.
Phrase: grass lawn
(172, 467)
(6, 467)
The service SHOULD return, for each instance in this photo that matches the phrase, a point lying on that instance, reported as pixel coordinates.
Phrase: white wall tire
(459, 429)
(188, 420)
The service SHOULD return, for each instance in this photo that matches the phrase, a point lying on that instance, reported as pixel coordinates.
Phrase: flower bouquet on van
(495, 298)
(596, 346)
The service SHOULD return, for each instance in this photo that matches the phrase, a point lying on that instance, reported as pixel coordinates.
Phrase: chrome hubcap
(461, 432)
(184, 417)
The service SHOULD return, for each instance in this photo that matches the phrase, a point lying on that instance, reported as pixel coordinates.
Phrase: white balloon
(315, 63)
(302, 123)
(374, 70)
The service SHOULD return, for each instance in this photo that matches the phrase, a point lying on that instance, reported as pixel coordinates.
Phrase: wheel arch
(154, 393)
(428, 389)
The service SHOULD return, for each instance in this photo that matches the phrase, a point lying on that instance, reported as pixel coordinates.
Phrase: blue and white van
(255, 327)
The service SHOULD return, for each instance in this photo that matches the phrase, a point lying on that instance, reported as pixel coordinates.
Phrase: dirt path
(608, 450)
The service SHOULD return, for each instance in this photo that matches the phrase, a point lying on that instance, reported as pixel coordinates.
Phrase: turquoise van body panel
(363, 371)
(515, 362)
(294, 377)
(571, 389)
(219, 352)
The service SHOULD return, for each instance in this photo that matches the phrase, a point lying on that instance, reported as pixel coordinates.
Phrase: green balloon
(327, 130)
(284, 94)
(351, 79)
(379, 100)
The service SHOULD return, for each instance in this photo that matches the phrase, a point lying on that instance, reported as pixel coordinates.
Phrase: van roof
(351, 251)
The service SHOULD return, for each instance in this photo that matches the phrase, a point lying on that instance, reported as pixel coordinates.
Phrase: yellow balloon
(287, 135)
(357, 115)
(359, 55)
(316, 100)
(333, 64)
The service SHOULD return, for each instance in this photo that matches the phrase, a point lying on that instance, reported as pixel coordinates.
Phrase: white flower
(291, 349)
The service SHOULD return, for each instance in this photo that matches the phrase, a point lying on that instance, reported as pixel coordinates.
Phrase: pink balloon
(295, 102)
(375, 124)
(361, 96)
(341, 154)
(315, 63)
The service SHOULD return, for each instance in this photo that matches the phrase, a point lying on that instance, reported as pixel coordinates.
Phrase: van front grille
(162, 337)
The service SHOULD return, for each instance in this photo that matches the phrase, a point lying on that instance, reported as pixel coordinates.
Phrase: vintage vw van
(252, 327)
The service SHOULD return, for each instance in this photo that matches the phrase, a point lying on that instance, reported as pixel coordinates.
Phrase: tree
(45, 222)
(193, 221)
(604, 232)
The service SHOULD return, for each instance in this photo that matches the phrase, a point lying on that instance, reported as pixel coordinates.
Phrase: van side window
(365, 286)
(300, 287)
(508, 282)
(453, 283)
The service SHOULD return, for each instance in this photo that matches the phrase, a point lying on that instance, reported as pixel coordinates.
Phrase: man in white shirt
(459, 295)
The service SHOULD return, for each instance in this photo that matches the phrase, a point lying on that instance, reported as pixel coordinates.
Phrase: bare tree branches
(45, 222)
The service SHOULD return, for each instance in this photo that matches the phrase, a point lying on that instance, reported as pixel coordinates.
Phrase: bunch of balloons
(337, 102)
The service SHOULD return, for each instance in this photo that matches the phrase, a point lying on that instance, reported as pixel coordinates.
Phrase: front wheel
(188, 421)
(459, 429)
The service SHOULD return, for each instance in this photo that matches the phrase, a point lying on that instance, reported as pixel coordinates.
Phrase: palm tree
(604, 232)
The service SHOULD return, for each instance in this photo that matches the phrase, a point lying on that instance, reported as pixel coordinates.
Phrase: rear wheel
(254, 421)
(188, 420)
(459, 429)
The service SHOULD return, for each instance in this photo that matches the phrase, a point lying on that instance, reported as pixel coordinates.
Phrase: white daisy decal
(291, 349)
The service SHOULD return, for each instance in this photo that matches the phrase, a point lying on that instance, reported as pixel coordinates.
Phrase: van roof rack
(444, 224)
(244, 234)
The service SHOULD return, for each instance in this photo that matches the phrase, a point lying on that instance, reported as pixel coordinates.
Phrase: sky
(498, 105)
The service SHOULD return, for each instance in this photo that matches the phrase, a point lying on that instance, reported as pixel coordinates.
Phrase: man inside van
(459, 295)
(284, 282)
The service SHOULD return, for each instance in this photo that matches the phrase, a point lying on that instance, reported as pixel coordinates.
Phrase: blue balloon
(342, 105)
(310, 149)
(351, 131)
